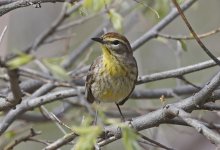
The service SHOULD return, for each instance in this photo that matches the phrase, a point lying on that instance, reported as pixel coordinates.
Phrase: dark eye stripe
(115, 42)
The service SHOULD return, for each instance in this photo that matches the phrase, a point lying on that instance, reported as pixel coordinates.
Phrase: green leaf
(82, 11)
(180, 1)
(98, 4)
(19, 61)
(116, 19)
(129, 138)
(10, 134)
(88, 3)
(162, 40)
(55, 68)
(183, 45)
(87, 135)
(162, 8)
(95, 5)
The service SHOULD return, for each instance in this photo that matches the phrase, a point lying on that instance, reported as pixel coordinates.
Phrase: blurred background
(24, 25)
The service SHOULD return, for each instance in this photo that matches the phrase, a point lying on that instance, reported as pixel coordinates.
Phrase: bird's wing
(126, 98)
(90, 79)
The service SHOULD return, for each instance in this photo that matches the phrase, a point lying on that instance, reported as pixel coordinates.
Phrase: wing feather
(90, 78)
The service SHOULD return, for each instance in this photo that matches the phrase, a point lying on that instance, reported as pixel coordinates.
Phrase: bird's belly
(114, 89)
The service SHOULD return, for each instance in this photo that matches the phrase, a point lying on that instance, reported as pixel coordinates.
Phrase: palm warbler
(112, 76)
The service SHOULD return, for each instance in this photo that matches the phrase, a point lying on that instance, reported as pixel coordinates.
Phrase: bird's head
(115, 44)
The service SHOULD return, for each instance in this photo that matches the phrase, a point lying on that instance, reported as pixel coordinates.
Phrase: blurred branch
(154, 142)
(3, 33)
(9, 5)
(14, 85)
(22, 139)
(201, 128)
(176, 73)
(194, 33)
(76, 22)
(58, 111)
(210, 107)
(178, 121)
(61, 141)
(188, 82)
(152, 33)
(4, 2)
(43, 37)
(65, 13)
(30, 103)
(204, 35)
(83, 47)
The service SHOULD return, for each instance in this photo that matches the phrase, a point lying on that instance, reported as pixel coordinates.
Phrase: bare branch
(60, 142)
(201, 128)
(22, 139)
(29, 104)
(162, 115)
(204, 35)
(161, 25)
(154, 142)
(15, 88)
(7, 6)
(175, 73)
(3, 33)
(194, 33)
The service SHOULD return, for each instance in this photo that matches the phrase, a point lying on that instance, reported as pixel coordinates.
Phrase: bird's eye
(115, 42)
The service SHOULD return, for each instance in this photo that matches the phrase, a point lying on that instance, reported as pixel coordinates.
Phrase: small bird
(112, 76)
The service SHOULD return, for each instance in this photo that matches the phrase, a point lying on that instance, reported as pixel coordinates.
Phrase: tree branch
(201, 128)
(7, 6)
(194, 33)
(161, 25)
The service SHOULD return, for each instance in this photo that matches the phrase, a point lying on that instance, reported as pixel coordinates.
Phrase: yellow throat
(113, 65)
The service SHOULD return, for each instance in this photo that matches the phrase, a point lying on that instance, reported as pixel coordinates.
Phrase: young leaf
(10, 134)
(88, 3)
(56, 69)
(87, 135)
(98, 5)
(182, 44)
(162, 8)
(116, 19)
(95, 5)
(129, 138)
(162, 40)
(19, 61)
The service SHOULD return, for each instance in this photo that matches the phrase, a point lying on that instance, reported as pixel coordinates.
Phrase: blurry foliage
(129, 138)
(87, 134)
(10, 134)
(182, 44)
(19, 61)
(162, 7)
(53, 64)
(116, 19)
(95, 5)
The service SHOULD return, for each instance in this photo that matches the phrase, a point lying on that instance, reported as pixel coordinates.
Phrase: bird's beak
(97, 39)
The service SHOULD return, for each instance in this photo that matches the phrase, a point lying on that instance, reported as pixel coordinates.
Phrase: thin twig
(22, 3)
(201, 128)
(3, 33)
(154, 142)
(194, 33)
(160, 26)
(190, 37)
(61, 141)
(22, 139)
